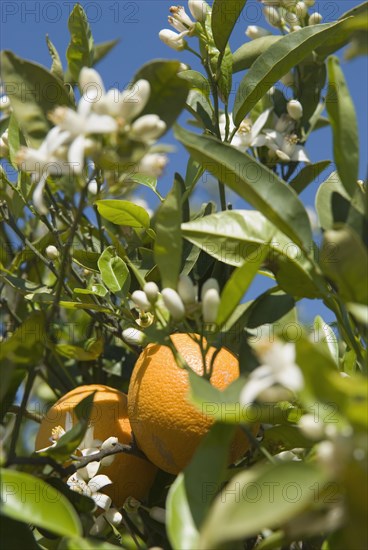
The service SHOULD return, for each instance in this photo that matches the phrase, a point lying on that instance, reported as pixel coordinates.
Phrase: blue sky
(26, 23)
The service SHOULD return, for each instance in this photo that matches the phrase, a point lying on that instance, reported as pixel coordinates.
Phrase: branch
(97, 457)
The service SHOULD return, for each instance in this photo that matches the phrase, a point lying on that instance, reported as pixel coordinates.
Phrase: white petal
(85, 105)
(68, 421)
(253, 388)
(282, 156)
(76, 154)
(300, 155)
(291, 378)
(37, 197)
(260, 122)
(100, 124)
(98, 482)
(134, 100)
(92, 469)
(103, 501)
(113, 516)
(91, 83)
(259, 141)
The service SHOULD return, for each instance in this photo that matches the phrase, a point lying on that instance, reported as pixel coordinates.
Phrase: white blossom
(254, 31)
(315, 18)
(186, 289)
(112, 515)
(273, 16)
(52, 252)
(151, 291)
(210, 305)
(278, 368)
(147, 128)
(198, 9)
(133, 336)
(140, 299)
(248, 134)
(301, 9)
(152, 164)
(286, 146)
(210, 283)
(173, 303)
(172, 39)
(79, 483)
(180, 20)
(295, 109)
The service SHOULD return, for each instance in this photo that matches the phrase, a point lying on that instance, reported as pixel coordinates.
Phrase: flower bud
(301, 9)
(198, 9)
(4, 144)
(210, 283)
(158, 514)
(151, 291)
(296, 28)
(254, 31)
(173, 303)
(172, 39)
(52, 252)
(93, 187)
(311, 428)
(140, 299)
(133, 101)
(133, 336)
(291, 19)
(295, 109)
(91, 84)
(186, 289)
(147, 128)
(272, 15)
(210, 305)
(315, 18)
(152, 164)
(109, 443)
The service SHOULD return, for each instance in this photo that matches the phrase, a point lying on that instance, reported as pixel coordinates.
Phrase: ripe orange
(131, 476)
(166, 426)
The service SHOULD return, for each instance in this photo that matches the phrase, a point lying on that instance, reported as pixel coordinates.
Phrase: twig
(15, 409)
(18, 420)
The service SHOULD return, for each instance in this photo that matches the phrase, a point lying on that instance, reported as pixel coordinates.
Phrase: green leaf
(25, 80)
(275, 62)
(57, 66)
(168, 245)
(268, 308)
(312, 79)
(95, 289)
(323, 333)
(114, 272)
(253, 182)
(123, 213)
(307, 175)
(80, 52)
(199, 105)
(168, 91)
(207, 470)
(103, 48)
(238, 284)
(225, 14)
(344, 260)
(197, 80)
(180, 525)
(75, 352)
(86, 259)
(71, 543)
(263, 502)
(30, 500)
(80, 305)
(344, 125)
(14, 139)
(147, 181)
(245, 56)
(16, 534)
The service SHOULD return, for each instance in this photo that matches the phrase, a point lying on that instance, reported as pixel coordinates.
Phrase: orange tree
(254, 423)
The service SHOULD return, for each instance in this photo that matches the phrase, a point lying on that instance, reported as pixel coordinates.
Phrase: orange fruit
(131, 475)
(167, 427)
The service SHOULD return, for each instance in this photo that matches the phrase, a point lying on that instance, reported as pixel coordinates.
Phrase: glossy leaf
(344, 125)
(147, 181)
(312, 79)
(16, 534)
(270, 66)
(24, 79)
(87, 259)
(196, 80)
(168, 244)
(253, 182)
(323, 333)
(245, 56)
(103, 48)
(267, 308)
(123, 213)
(71, 543)
(307, 175)
(207, 470)
(30, 500)
(344, 259)
(168, 90)
(238, 284)
(234, 519)
(80, 52)
(114, 272)
(57, 66)
(180, 525)
(225, 14)
(95, 289)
